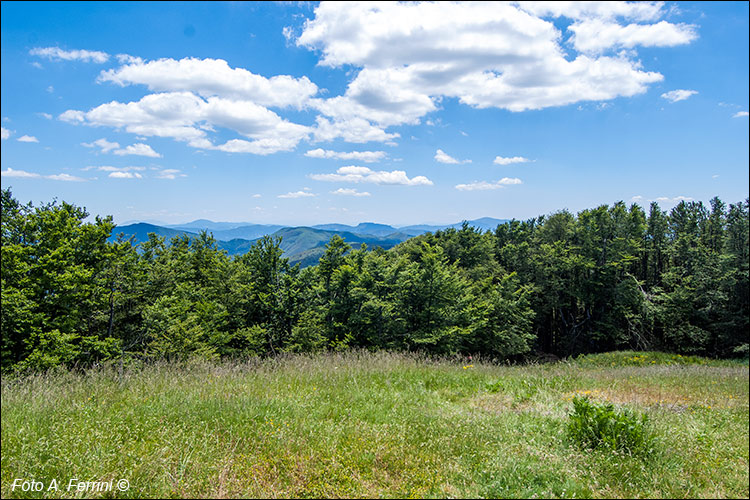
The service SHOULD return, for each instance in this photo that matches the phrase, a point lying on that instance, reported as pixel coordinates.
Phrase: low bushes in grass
(593, 425)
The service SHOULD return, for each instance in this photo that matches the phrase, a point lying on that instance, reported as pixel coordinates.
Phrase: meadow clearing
(359, 424)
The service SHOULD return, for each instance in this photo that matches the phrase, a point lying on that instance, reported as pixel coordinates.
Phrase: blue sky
(305, 113)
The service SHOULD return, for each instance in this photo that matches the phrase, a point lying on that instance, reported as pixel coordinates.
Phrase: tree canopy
(611, 277)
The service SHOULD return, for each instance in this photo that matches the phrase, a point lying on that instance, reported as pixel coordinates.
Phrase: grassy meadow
(376, 425)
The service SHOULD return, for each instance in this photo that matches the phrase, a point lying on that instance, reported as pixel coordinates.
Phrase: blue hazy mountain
(141, 231)
(207, 225)
(247, 232)
(371, 228)
(485, 224)
(300, 244)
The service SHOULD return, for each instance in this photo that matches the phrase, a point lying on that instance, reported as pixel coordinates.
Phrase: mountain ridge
(301, 244)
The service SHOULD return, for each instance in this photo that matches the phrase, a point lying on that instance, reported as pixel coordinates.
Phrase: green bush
(594, 425)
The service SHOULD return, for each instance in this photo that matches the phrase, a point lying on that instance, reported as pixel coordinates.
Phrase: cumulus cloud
(45, 115)
(27, 138)
(357, 130)
(350, 192)
(678, 95)
(4, 133)
(297, 194)
(9, 172)
(125, 175)
(365, 156)
(138, 149)
(405, 59)
(212, 77)
(194, 96)
(103, 144)
(169, 173)
(72, 116)
(357, 174)
(484, 185)
(676, 199)
(128, 59)
(485, 54)
(109, 168)
(499, 160)
(184, 116)
(739, 114)
(442, 157)
(64, 177)
(635, 11)
(58, 54)
(596, 35)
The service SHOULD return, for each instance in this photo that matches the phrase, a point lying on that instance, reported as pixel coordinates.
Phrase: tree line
(611, 277)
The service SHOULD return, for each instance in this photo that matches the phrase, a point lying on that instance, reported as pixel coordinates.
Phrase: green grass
(377, 425)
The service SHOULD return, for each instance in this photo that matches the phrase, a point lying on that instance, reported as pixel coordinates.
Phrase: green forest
(608, 278)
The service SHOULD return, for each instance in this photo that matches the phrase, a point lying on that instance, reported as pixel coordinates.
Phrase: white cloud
(125, 175)
(103, 144)
(597, 35)
(169, 173)
(676, 199)
(138, 149)
(484, 185)
(741, 114)
(442, 157)
(678, 95)
(499, 160)
(64, 177)
(4, 133)
(350, 192)
(485, 54)
(357, 130)
(58, 54)
(73, 116)
(365, 156)
(109, 168)
(298, 194)
(46, 115)
(212, 77)
(357, 174)
(27, 138)
(184, 116)
(256, 196)
(128, 59)
(9, 172)
(632, 11)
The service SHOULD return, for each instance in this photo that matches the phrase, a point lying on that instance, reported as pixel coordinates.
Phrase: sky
(302, 113)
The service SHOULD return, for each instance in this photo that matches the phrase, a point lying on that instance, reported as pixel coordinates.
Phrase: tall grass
(373, 425)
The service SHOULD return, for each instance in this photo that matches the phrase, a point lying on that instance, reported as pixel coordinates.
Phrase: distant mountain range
(300, 244)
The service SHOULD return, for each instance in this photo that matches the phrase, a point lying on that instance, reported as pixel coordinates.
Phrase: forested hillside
(607, 278)
(303, 245)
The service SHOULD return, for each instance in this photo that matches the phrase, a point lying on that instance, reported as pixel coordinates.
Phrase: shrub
(594, 425)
